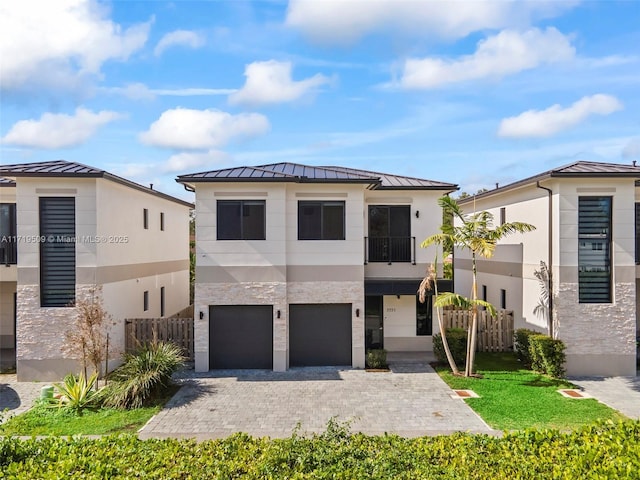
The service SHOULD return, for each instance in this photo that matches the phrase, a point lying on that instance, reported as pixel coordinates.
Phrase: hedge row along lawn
(53, 421)
(512, 398)
(603, 451)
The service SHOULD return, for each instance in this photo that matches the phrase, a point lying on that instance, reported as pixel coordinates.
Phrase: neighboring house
(300, 265)
(67, 228)
(588, 221)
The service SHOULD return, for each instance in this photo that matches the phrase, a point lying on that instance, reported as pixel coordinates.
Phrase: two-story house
(588, 223)
(68, 230)
(301, 265)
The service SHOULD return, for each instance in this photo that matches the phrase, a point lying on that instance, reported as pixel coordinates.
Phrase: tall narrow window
(145, 218)
(637, 233)
(57, 251)
(321, 221)
(162, 221)
(8, 243)
(145, 300)
(594, 249)
(503, 299)
(424, 325)
(162, 301)
(503, 215)
(484, 293)
(241, 219)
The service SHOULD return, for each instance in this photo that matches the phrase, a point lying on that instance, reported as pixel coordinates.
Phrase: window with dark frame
(637, 233)
(162, 221)
(424, 313)
(241, 219)
(321, 220)
(484, 293)
(57, 251)
(145, 300)
(145, 218)
(503, 298)
(594, 249)
(503, 215)
(8, 234)
(162, 301)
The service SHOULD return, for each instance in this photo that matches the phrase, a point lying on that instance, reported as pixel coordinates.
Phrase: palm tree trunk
(473, 327)
(445, 343)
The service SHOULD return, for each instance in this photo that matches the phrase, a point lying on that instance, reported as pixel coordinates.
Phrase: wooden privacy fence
(143, 330)
(494, 334)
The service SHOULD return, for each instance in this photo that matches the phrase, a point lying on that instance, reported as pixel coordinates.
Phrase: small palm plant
(476, 233)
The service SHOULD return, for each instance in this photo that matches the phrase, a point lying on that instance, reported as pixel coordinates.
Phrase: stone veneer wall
(41, 335)
(278, 294)
(600, 338)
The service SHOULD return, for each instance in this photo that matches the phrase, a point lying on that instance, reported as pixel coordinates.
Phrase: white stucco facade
(600, 337)
(114, 256)
(282, 270)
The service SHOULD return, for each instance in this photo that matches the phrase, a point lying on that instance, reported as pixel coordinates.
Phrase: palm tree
(476, 233)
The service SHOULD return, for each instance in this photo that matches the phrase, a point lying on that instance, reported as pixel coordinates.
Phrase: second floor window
(240, 219)
(8, 240)
(321, 220)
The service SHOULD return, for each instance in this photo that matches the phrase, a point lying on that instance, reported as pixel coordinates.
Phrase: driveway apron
(411, 400)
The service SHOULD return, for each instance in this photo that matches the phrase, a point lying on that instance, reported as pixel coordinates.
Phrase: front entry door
(373, 324)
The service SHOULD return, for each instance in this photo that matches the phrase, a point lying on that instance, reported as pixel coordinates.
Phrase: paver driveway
(410, 401)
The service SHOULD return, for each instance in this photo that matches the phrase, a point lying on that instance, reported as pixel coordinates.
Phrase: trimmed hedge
(604, 450)
(521, 337)
(547, 355)
(457, 339)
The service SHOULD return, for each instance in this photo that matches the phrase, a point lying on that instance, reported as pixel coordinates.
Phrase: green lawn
(53, 421)
(512, 398)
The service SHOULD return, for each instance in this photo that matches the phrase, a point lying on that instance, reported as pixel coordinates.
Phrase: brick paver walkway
(410, 401)
(621, 393)
(17, 397)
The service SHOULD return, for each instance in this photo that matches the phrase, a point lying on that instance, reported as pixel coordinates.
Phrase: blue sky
(469, 92)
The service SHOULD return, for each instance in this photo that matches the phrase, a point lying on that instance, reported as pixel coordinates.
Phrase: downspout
(550, 259)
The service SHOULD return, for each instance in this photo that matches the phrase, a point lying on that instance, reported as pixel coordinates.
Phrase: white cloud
(183, 128)
(503, 54)
(140, 91)
(545, 123)
(57, 42)
(54, 130)
(189, 161)
(271, 82)
(185, 38)
(345, 21)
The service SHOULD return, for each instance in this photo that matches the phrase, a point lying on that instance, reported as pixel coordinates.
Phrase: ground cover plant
(603, 451)
(44, 420)
(513, 398)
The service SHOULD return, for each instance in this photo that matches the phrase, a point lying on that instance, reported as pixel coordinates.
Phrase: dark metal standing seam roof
(63, 168)
(292, 172)
(7, 182)
(580, 169)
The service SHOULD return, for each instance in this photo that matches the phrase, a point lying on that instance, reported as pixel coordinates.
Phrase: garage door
(241, 336)
(320, 334)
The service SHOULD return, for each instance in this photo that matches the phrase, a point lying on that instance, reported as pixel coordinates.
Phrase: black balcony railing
(8, 252)
(390, 249)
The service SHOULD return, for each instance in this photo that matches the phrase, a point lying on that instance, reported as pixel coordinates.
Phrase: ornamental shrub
(377, 358)
(521, 338)
(143, 376)
(547, 355)
(457, 339)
